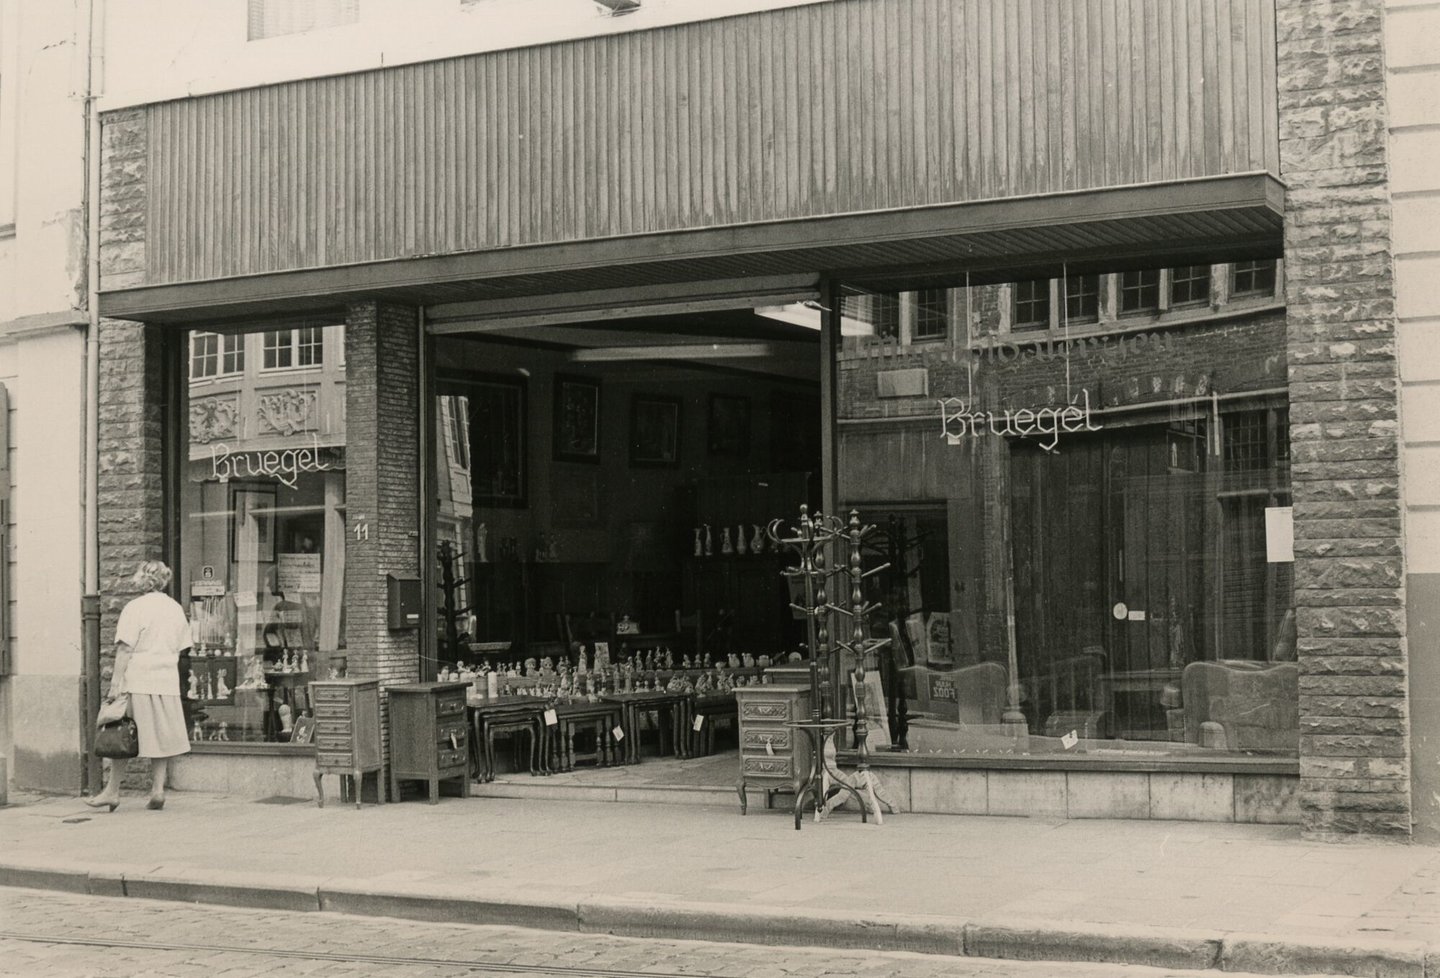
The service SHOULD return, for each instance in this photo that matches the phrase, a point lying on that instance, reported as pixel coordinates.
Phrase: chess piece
(757, 542)
(222, 691)
(726, 546)
(709, 541)
(740, 539)
(699, 543)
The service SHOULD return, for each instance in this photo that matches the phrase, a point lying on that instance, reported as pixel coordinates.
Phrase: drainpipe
(90, 601)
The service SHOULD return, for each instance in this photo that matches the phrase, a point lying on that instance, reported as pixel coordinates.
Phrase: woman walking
(149, 638)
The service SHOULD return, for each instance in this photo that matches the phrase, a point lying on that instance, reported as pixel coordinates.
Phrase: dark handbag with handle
(118, 739)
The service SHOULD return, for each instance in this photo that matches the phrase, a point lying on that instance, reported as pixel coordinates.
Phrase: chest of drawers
(347, 734)
(773, 757)
(429, 736)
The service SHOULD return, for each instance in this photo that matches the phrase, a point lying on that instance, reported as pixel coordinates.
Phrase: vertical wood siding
(833, 108)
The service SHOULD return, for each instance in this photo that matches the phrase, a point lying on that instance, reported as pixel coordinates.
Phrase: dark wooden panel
(835, 108)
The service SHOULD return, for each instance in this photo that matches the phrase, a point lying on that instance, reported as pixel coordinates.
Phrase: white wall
(42, 298)
(165, 49)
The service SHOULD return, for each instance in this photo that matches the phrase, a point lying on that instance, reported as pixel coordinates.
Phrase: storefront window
(1085, 538)
(262, 548)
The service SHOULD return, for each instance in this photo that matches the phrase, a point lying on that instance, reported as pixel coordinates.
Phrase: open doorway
(602, 491)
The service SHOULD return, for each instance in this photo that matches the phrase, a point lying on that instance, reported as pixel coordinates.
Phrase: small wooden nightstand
(429, 736)
(772, 756)
(347, 733)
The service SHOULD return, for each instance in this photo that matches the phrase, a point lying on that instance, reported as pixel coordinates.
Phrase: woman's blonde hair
(152, 575)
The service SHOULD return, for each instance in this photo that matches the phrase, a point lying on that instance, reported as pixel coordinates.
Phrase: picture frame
(304, 730)
(499, 447)
(654, 431)
(252, 506)
(577, 419)
(728, 431)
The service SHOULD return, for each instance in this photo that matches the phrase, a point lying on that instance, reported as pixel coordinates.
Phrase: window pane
(234, 354)
(310, 346)
(204, 348)
(1082, 298)
(875, 313)
(262, 549)
(932, 314)
(1190, 285)
(278, 349)
(1253, 278)
(1032, 304)
(1140, 291)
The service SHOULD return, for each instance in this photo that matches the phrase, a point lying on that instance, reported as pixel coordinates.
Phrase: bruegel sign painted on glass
(957, 421)
(285, 465)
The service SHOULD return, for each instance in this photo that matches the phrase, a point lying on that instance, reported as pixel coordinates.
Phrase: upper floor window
(286, 348)
(457, 429)
(1190, 285)
(932, 314)
(1082, 298)
(1253, 278)
(216, 355)
(1140, 291)
(1032, 304)
(273, 18)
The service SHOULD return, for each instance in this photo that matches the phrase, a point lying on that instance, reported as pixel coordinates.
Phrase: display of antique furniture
(514, 715)
(572, 719)
(672, 721)
(1238, 704)
(714, 708)
(773, 756)
(347, 735)
(429, 739)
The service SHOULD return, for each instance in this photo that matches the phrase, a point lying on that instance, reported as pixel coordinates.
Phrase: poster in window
(252, 528)
(498, 473)
(654, 431)
(577, 419)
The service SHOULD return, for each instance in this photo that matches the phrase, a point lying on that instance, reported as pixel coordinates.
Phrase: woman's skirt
(160, 722)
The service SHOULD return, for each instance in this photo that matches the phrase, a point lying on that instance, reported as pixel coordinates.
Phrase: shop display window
(1087, 541)
(262, 543)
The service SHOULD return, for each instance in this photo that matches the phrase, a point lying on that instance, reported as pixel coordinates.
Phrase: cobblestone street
(53, 935)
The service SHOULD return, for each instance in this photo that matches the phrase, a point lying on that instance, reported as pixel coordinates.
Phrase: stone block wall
(131, 471)
(382, 471)
(124, 147)
(1349, 571)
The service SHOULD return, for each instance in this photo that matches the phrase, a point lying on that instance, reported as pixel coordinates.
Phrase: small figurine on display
(726, 547)
(709, 541)
(193, 693)
(699, 542)
(222, 691)
(286, 715)
(733, 660)
(304, 662)
(207, 690)
(196, 733)
(757, 542)
(740, 539)
(224, 732)
(685, 662)
(747, 660)
(669, 659)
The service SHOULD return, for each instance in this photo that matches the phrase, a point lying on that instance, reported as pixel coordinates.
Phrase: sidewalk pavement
(1182, 895)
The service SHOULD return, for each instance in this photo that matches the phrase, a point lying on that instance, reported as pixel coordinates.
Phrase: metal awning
(1207, 220)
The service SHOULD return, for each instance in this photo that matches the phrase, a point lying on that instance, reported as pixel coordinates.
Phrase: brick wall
(123, 198)
(1349, 572)
(131, 499)
(381, 486)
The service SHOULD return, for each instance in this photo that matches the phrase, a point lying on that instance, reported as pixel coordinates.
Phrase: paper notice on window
(298, 573)
(1280, 535)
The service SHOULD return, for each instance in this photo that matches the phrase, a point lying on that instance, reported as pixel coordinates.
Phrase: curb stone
(1267, 955)
(1026, 940)
(1036, 940)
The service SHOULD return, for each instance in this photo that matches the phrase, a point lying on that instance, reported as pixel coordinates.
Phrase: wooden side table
(429, 738)
(513, 714)
(672, 720)
(773, 755)
(347, 734)
(571, 718)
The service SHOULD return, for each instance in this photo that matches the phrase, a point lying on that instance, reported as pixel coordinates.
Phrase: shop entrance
(601, 494)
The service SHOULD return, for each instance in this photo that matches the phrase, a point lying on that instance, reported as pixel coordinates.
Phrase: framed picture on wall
(498, 447)
(252, 527)
(577, 419)
(729, 427)
(654, 431)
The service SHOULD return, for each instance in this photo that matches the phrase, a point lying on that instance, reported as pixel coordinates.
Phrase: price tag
(617, 733)
(550, 718)
(699, 722)
(454, 741)
(769, 747)
(1070, 739)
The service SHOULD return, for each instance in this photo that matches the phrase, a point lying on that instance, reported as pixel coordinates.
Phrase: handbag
(119, 739)
(116, 735)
